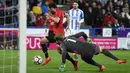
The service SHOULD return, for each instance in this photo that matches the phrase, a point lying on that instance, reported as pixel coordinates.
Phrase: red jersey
(57, 27)
(48, 21)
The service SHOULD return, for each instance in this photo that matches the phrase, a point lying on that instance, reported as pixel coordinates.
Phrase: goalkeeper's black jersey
(75, 45)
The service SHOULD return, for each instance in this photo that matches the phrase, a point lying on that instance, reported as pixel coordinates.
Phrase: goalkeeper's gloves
(61, 68)
(89, 40)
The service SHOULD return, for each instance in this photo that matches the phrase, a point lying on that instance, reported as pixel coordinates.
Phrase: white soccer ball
(37, 60)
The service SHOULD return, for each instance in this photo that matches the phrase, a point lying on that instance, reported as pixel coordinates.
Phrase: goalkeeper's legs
(75, 63)
(67, 55)
(108, 54)
(75, 56)
(89, 60)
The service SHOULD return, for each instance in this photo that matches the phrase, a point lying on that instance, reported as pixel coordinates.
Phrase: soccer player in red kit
(55, 26)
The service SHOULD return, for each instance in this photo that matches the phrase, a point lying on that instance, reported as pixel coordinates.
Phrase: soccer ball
(37, 60)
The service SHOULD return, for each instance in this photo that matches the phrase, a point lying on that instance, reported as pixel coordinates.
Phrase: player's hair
(59, 37)
(49, 1)
(76, 3)
(52, 5)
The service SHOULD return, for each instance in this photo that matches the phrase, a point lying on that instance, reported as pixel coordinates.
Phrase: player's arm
(89, 40)
(79, 35)
(55, 19)
(68, 20)
(64, 53)
(82, 17)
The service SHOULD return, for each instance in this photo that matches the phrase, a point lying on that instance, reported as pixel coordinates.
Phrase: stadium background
(111, 34)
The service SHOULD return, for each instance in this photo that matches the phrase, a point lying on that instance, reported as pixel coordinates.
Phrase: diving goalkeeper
(85, 49)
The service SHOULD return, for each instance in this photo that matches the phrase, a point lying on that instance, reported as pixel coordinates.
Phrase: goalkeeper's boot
(61, 68)
(102, 68)
(89, 40)
(46, 61)
(121, 61)
(75, 56)
(76, 65)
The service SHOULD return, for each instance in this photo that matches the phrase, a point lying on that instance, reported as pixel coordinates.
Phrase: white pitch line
(8, 66)
(47, 69)
(39, 68)
(9, 58)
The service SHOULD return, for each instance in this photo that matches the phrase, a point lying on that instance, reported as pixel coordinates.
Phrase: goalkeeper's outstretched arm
(79, 35)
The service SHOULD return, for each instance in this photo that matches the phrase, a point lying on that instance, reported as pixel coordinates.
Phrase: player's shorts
(97, 49)
(89, 50)
(51, 36)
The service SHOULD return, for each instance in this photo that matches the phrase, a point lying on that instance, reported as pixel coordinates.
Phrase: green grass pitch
(53, 65)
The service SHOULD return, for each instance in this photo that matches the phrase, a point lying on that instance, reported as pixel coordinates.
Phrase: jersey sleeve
(48, 20)
(64, 52)
(82, 15)
(68, 12)
(79, 35)
(59, 14)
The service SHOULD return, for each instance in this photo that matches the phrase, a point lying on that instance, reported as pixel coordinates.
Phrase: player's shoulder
(59, 10)
(70, 10)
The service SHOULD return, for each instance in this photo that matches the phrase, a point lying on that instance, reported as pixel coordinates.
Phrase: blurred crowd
(106, 13)
(9, 12)
(97, 13)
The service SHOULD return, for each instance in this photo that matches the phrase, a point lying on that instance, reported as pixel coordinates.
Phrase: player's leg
(58, 49)
(67, 56)
(72, 32)
(75, 63)
(75, 56)
(108, 54)
(77, 36)
(87, 55)
(44, 43)
(89, 60)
